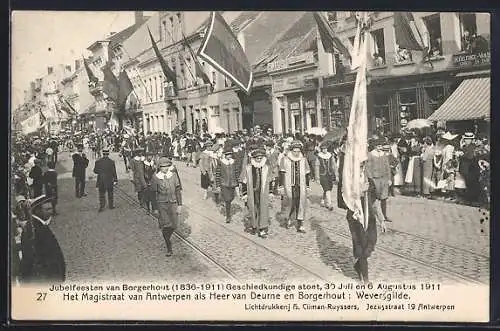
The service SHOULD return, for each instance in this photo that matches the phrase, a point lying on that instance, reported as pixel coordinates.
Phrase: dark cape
(363, 241)
(42, 258)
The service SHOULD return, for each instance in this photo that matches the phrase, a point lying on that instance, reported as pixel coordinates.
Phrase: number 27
(41, 296)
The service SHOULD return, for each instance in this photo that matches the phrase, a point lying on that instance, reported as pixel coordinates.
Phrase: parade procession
(333, 146)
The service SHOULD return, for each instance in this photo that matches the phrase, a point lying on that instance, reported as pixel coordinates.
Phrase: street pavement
(428, 240)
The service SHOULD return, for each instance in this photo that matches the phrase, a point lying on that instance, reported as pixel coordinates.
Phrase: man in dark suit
(80, 164)
(106, 178)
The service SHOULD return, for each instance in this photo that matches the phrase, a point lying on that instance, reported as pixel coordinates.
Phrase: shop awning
(471, 100)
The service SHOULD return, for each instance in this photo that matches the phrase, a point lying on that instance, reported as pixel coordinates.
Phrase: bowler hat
(105, 152)
(39, 201)
(228, 150)
(164, 162)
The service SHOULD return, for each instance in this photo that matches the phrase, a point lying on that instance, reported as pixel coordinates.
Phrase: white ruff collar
(148, 163)
(162, 176)
(258, 164)
(41, 221)
(291, 157)
(226, 161)
(325, 156)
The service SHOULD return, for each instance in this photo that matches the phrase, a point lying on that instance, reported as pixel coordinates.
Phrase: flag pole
(180, 53)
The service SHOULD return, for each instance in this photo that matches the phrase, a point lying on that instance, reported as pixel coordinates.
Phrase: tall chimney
(50, 70)
(139, 17)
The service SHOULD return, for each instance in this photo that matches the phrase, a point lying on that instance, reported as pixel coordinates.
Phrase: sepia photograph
(250, 165)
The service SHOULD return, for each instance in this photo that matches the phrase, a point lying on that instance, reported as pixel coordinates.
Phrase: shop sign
(471, 60)
(310, 104)
(294, 105)
(306, 58)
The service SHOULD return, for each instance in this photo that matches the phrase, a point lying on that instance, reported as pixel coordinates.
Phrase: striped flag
(222, 50)
(329, 38)
(356, 146)
(169, 73)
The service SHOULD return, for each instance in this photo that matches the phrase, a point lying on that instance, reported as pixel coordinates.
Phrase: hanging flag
(90, 74)
(125, 89)
(222, 50)
(409, 36)
(43, 119)
(329, 38)
(199, 72)
(110, 84)
(169, 73)
(356, 145)
(66, 105)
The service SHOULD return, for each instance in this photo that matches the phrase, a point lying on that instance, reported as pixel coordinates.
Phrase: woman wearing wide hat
(168, 189)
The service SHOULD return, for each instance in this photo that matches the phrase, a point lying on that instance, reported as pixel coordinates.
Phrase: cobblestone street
(428, 240)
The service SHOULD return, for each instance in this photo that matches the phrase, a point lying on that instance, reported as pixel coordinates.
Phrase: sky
(46, 38)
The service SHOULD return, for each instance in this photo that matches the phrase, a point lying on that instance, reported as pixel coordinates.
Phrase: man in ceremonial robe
(42, 260)
(294, 181)
(227, 180)
(255, 179)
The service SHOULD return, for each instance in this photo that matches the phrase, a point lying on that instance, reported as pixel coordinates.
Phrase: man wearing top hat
(80, 164)
(272, 155)
(255, 179)
(106, 179)
(227, 180)
(168, 190)
(42, 260)
(294, 182)
(36, 174)
(137, 168)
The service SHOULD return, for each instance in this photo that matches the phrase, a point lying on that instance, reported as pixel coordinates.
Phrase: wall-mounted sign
(471, 60)
(305, 58)
(310, 104)
(294, 105)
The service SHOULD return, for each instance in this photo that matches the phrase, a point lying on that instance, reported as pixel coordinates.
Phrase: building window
(214, 79)
(183, 81)
(435, 96)
(407, 106)
(179, 25)
(227, 83)
(150, 90)
(470, 42)
(381, 112)
(314, 120)
(433, 34)
(164, 30)
(155, 89)
(162, 86)
(297, 122)
(378, 47)
(401, 55)
(171, 33)
(216, 110)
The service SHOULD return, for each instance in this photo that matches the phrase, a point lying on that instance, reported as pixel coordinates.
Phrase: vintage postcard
(250, 166)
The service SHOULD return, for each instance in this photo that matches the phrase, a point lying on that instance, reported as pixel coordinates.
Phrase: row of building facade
(297, 84)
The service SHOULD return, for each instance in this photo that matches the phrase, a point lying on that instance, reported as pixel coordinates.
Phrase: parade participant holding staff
(167, 186)
(227, 180)
(80, 164)
(255, 179)
(294, 181)
(106, 179)
(326, 162)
